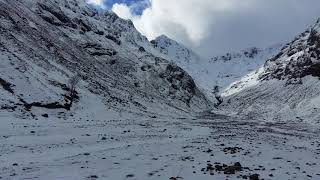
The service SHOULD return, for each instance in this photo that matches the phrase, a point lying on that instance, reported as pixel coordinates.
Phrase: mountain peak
(177, 52)
(163, 37)
(165, 42)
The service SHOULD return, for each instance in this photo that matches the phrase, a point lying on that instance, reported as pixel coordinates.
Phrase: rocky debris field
(142, 147)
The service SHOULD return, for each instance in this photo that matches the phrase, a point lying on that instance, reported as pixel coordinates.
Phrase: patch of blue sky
(136, 6)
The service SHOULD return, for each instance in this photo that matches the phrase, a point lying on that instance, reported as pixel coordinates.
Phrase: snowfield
(107, 145)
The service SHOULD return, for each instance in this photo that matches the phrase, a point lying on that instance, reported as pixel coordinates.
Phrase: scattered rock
(141, 49)
(93, 177)
(277, 158)
(232, 169)
(175, 178)
(209, 151)
(6, 86)
(254, 177)
(232, 150)
(187, 158)
(130, 175)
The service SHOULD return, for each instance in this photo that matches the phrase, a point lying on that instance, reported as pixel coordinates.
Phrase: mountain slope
(234, 65)
(287, 87)
(45, 43)
(220, 70)
(177, 52)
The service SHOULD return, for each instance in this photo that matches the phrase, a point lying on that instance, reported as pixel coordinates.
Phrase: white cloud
(123, 11)
(96, 2)
(192, 16)
(219, 25)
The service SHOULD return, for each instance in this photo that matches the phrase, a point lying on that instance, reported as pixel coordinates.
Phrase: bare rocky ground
(142, 147)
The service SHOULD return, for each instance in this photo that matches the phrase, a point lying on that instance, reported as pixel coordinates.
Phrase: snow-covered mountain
(44, 43)
(221, 70)
(232, 66)
(175, 51)
(286, 88)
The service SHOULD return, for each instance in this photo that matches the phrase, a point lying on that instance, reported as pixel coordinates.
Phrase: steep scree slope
(46, 42)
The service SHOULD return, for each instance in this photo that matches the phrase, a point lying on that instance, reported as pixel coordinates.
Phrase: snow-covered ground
(109, 145)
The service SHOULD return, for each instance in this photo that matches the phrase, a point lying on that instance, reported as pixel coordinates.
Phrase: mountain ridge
(107, 53)
(220, 70)
(286, 87)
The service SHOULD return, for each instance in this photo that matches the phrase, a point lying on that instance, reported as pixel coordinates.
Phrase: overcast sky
(218, 26)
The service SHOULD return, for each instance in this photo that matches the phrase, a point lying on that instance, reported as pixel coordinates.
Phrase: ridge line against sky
(217, 26)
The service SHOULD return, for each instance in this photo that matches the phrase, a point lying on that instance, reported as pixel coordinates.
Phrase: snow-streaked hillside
(230, 67)
(45, 43)
(221, 70)
(179, 53)
(286, 88)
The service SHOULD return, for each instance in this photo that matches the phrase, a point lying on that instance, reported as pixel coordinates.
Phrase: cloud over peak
(173, 17)
(220, 25)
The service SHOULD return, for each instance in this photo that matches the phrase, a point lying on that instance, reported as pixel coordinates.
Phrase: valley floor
(141, 147)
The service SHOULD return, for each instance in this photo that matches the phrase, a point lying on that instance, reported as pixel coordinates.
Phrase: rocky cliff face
(46, 42)
(286, 88)
(297, 59)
